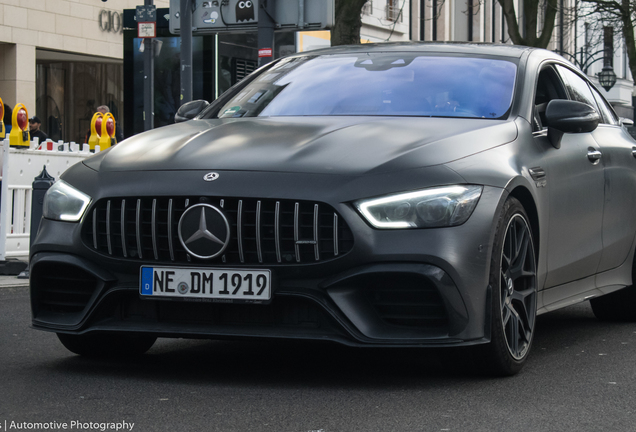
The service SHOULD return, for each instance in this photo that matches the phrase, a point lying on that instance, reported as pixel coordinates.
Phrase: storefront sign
(110, 21)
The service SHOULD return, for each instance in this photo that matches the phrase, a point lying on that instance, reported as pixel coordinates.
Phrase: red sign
(264, 52)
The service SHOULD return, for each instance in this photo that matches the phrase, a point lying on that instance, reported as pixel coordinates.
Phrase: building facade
(576, 36)
(62, 59)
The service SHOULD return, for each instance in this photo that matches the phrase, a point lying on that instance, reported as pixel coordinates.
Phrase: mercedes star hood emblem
(211, 176)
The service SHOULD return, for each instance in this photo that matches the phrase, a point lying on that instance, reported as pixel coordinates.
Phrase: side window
(606, 109)
(577, 87)
(549, 87)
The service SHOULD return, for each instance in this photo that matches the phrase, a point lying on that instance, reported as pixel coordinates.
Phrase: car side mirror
(190, 110)
(567, 116)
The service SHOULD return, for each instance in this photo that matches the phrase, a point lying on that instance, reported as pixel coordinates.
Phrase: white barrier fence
(19, 168)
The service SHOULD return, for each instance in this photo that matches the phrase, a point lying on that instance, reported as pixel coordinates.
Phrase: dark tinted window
(607, 111)
(549, 87)
(394, 84)
(577, 87)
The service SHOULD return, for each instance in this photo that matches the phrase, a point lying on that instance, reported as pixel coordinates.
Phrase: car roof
(471, 48)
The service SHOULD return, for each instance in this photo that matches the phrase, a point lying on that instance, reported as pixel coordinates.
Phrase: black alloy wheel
(513, 278)
(518, 294)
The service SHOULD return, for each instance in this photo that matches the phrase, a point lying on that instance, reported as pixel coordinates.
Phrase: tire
(107, 344)
(619, 305)
(513, 270)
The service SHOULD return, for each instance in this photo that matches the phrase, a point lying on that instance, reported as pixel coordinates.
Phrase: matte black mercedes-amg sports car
(380, 195)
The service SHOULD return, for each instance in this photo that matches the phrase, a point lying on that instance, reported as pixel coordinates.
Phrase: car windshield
(379, 84)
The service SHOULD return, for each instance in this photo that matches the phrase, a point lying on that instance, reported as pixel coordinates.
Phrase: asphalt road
(581, 376)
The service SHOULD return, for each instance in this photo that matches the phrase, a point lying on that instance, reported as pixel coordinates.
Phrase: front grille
(262, 231)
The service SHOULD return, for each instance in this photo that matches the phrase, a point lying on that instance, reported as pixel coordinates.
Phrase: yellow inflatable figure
(106, 137)
(96, 130)
(19, 136)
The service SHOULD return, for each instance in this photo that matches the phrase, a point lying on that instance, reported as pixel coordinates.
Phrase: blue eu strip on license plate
(244, 285)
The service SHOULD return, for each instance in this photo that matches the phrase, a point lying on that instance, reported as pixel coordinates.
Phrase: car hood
(338, 145)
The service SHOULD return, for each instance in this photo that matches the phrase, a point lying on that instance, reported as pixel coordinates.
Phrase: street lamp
(607, 77)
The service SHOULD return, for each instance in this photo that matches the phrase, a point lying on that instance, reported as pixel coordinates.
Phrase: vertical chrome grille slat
(316, 249)
(153, 227)
(259, 253)
(170, 230)
(95, 227)
(296, 231)
(277, 230)
(108, 239)
(335, 234)
(222, 204)
(123, 227)
(239, 230)
(138, 230)
(187, 203)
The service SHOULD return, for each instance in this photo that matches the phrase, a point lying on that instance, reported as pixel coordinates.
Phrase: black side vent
(263, 231)
(63, 289)
(408, 301)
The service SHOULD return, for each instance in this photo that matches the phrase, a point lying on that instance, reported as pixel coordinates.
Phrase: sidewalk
(12, 282)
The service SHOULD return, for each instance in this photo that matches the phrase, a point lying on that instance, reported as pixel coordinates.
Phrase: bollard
(41, 184)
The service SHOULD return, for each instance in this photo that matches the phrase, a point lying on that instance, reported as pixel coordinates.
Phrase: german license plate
(211, 284)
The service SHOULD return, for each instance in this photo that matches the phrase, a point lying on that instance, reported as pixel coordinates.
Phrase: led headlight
(427, 208)
(64, 202)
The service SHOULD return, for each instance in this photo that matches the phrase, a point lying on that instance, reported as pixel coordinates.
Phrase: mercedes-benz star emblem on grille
(204, 231)
(211, 176)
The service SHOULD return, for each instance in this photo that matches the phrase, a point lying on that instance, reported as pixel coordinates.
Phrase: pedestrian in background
(34, 129)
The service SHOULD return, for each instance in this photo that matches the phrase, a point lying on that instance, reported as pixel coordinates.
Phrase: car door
(575, 182)
(618, 150)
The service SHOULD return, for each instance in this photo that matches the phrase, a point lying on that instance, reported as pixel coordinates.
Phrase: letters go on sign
(213, 284)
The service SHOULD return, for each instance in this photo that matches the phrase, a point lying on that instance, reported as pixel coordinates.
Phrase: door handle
(594, 155)
(634, 151)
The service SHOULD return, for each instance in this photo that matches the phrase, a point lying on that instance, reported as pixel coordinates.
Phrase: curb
(13, 282)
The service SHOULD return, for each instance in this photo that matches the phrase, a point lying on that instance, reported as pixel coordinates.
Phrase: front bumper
(382, 304)
(424, 287)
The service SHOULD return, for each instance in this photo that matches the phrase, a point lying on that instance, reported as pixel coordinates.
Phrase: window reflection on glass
(396, 84)
(69, 92)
